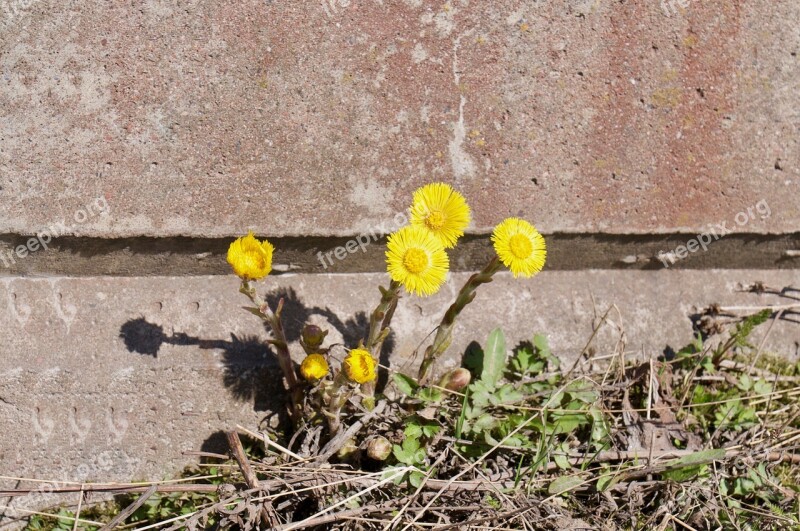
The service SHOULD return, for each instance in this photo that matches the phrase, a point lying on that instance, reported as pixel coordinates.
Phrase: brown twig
(339, 440)
(130, 509)
(244, 464)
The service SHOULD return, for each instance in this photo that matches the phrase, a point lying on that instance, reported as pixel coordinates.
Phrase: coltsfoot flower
(314, 367)
(359, 366)
(441, 210)
(250, 259)
(417, 260)
(520, 247)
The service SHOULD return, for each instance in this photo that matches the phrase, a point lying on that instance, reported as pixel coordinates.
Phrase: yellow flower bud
(359, 366)
(314, 367)
(250, 258)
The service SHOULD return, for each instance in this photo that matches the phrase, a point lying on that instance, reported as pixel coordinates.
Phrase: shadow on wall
(251, 370)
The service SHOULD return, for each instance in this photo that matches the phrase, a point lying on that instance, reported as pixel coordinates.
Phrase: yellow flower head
(520, 247)
(314, 367)
(417, 260)
(441, 210)
(250, 258)
(359, 366)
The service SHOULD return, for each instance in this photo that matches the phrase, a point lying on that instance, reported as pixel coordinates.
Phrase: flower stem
(381, 318)
(281, 348)
(379, 322)
(338, 393)
(444, 334)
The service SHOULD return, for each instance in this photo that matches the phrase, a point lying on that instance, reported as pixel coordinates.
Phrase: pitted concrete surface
(321, 118)
(139, 370)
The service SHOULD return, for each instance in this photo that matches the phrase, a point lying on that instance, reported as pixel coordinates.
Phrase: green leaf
(566, 424)
(412, 431)
(600, 429)
(403, 455)
(405, 384)
(481, 394)
(461, 417)
(762, 387)
(543, 350)
(698, 458)
(522, 360)
(416, 478)
(606, 481)
(485, 422)
(494, 358)
(411, 445)
(430, 394)
(564, 484)
(561, 461)
(692, 465)
(392, 471)
(430, 430)
(507, 394)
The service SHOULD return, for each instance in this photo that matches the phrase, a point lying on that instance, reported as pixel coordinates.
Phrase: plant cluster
(417, 261)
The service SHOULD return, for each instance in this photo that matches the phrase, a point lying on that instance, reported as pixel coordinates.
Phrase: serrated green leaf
(485, 422)
(507, 394)
(412, 431)
(402, 454)
(522, 360)
(405, 384)
(411, 445)
(430, 430)
(494, 358)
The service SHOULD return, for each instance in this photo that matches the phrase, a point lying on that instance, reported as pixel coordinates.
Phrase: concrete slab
(321, 118)
(113, 378)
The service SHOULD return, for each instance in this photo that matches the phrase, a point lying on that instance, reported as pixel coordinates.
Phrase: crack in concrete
(188, 256)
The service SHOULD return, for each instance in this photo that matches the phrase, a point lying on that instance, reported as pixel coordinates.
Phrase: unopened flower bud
(314, 367)
(456, 380)
(347, 450)
(379, 448)
(313, 336)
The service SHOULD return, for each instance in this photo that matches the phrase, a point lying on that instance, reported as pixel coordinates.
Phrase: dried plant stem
(444, 333)
(281, 347)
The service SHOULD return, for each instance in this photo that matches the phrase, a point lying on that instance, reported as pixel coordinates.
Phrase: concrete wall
(142, 135)
(321, 117)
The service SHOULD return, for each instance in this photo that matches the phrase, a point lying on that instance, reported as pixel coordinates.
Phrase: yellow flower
(314, 367)
(441, 210)
(416, 259)
(250, 258)
(520, 247)
(359, 366)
